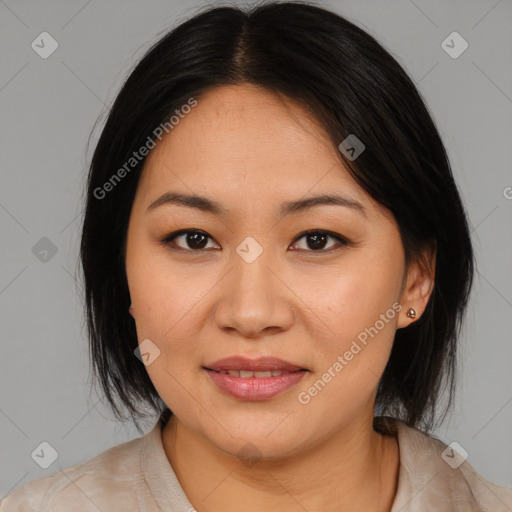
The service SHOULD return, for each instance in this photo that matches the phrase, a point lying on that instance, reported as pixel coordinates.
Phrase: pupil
(195, 242)
(318, 240)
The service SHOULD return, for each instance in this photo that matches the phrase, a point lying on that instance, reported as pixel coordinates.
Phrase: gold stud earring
(411, 313)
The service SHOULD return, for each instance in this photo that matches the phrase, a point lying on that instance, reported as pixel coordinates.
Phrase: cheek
(165, 301)
(161, 291)
(358, 309)
(352, 354)
(354, 297)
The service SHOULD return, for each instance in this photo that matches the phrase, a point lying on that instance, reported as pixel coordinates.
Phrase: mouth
(247, 374)
(258, 367)
(254, 380)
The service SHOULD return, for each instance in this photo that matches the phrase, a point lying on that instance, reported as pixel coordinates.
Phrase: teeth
(263, 374)
(247, 374)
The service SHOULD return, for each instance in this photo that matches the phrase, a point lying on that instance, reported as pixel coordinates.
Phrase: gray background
(48, 108)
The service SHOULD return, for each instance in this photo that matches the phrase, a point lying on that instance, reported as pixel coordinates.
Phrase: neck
(356, 469)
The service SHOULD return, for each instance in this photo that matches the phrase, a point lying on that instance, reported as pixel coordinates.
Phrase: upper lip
(247, 364)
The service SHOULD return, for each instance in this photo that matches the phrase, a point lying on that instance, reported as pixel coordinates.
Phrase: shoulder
(437, 476)
(87, 486)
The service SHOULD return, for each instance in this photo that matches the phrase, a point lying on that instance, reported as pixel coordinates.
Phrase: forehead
(246, 142)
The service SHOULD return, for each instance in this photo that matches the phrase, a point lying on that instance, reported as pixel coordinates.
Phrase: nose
(254, 299)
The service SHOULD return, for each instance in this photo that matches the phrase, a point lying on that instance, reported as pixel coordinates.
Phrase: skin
(251, 150)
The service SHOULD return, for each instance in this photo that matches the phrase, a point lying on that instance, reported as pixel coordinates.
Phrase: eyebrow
(208, 205)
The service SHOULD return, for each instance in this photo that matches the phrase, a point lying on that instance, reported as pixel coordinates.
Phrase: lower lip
(255, 388)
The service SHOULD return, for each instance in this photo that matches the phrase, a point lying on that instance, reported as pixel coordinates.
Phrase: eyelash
(167, 241)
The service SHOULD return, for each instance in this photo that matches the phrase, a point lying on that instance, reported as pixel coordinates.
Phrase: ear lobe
(130, 310)
(419, 284)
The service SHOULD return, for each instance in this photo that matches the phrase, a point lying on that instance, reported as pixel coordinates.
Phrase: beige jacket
(136, 476)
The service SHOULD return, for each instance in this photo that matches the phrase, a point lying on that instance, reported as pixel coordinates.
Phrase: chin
(250, 445)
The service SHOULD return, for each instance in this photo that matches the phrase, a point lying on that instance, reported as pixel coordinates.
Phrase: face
(318, 287)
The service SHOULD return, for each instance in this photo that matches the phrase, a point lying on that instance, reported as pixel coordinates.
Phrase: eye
(194, 238)
(317, 240)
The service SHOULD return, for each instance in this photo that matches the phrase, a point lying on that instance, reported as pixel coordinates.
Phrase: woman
(277, 261)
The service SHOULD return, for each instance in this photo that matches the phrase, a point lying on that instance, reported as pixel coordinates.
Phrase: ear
(418, 284)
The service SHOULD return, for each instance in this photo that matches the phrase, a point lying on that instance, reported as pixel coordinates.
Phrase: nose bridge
(252, 279)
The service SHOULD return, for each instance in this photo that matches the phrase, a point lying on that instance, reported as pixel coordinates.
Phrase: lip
(254, 388)
(262, 364)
